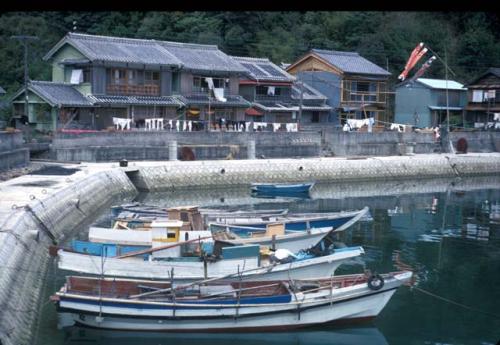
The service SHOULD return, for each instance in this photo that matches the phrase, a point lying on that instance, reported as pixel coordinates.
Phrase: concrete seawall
(35, 212)
(174, 175)
(12, 152)
(38, 209)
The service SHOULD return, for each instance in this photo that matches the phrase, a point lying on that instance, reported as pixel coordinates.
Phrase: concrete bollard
(251, 149)
(172, 150)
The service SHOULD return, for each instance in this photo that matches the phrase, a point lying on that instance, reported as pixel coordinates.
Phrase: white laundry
(190, 125)
(121, 123)
(76, 76)
(371, 121)
(276, 126)
(271, 90)
(184, 126)
(353, 123)
(160, 124)
(219, 94)
(210, 83)
(496, 116)
(295, 127)
(399, 127)
(346, 128)
(177, 125)
(170, 124)
(247, 126)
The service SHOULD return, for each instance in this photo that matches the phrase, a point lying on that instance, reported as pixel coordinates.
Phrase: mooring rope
(455, 303)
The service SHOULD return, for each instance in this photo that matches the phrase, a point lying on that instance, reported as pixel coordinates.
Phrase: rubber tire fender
(375, 282)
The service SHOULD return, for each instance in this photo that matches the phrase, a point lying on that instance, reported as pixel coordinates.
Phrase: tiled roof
(135, 100)
(350, 62)
(58, 93)
(232, 100)
(261, 69)
(116, 49)
(201, 57)
(441, 84)
(197, 57)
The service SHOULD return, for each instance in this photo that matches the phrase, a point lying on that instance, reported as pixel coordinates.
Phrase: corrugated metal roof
(201, 57)
(441, 84)
(262, 69)
(135, 100)
(62, 94)
(350, 62)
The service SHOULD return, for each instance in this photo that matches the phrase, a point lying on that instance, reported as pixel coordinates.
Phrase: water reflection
(448, 230)
(339, 336)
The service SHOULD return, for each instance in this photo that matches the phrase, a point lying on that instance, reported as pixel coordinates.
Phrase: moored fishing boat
(303, 221)
(222, 306)
(282, 188)
(245, 261)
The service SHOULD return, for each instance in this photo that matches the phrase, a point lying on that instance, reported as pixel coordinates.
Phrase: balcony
(273, 99)
(133, 90)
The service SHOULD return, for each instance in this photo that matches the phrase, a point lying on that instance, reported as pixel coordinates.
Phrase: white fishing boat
(244, 261)
(274, 235)
(225, 306)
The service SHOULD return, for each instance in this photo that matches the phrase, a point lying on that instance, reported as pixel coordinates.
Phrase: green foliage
(471, 40)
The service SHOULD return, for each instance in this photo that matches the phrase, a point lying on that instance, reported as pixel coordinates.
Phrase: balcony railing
(364, 97)
(137, 90)
(272, 99)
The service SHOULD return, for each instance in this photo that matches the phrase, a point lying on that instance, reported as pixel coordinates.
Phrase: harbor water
(447, 230)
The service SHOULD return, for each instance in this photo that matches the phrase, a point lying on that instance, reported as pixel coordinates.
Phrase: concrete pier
(40, 209)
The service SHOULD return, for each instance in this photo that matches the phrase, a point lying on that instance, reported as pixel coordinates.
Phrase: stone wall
(140, 145)
(12, 152)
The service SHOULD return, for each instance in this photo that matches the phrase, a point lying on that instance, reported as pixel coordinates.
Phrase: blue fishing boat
(292, 222)
(282, 188)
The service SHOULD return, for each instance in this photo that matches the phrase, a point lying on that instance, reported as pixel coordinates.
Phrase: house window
(315, 116)
(264, 90)
(200, 84)
(118, 76)
(175, 82)
(87, 75)
(151, 77)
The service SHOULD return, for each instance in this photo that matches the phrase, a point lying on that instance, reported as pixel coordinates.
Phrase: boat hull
(189, 271)
(353, 304)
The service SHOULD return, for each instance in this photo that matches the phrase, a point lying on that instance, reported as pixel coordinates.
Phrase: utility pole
(447, 101)
(24, 40)
(300, 104)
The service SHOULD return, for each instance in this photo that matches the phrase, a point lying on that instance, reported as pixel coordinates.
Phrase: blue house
(422, 103)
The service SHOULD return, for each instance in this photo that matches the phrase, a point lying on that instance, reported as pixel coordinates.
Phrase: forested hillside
(470, 39)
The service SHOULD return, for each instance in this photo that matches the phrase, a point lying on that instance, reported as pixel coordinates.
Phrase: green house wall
(58, 71)
(411, 100)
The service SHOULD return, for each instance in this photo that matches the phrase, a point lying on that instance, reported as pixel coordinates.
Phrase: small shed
(423, 102)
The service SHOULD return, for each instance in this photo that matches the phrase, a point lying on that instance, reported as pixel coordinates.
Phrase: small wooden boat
(224, 306)
(245, 261)
(334, 220)
(282, 188)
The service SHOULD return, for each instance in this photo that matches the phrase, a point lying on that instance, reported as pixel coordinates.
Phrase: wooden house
(355, 87)
(96, 78)
(275, 94)
(423, 103)
(483, 98)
